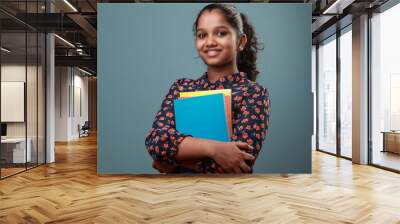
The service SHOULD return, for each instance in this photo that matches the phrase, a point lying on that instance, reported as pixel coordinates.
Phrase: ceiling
(76, 22)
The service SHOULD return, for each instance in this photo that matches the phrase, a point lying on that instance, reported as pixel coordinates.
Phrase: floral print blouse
(250, 117)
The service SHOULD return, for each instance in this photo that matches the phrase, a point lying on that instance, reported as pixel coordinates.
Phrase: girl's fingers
(243, 145)
(248, 156)
(245, 168)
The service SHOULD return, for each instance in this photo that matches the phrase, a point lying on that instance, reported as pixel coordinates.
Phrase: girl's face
(216, 39)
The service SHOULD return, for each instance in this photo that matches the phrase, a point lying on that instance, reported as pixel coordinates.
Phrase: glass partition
(41, 91)
(31, 100)
(22, 77)
(327, 95)
(14, 153)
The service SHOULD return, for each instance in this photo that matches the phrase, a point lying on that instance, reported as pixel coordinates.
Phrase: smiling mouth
(212, 53)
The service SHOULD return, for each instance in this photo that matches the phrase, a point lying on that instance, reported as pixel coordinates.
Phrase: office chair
(84, 130)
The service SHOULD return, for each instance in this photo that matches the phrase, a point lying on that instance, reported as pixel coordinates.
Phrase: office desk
(391, 141)
(13, 150)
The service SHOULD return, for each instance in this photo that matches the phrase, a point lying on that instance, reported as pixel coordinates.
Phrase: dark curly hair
(246, 60)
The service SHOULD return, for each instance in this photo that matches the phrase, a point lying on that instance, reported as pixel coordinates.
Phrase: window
(385, 88)
(327, 95)
(346, 92)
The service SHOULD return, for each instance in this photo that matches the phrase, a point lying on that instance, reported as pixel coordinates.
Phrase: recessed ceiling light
(70, 5)
(337, 7)
(84, 71)
(5, 50)
(65, 41)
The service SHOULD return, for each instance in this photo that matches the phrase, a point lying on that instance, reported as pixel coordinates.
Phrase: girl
(227, 44)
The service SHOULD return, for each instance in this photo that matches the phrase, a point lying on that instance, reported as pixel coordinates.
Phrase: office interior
(48, 81)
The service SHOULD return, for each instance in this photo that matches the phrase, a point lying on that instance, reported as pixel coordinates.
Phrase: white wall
(16, 72)
(71, 93)
(9, 73)
(33, 127)
(79, 110)
(62, 81)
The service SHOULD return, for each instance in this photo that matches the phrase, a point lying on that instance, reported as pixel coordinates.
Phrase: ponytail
(247, 58)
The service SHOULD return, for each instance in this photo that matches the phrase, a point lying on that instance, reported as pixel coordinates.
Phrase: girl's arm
(167, 145)
(227, 154)
(251, 125)
(163, 139)
(169, 168)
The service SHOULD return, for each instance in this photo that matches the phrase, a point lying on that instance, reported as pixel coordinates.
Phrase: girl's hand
(163, 168)
(230, 156)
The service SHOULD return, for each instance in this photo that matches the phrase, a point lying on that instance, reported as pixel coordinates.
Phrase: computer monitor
(3, 129)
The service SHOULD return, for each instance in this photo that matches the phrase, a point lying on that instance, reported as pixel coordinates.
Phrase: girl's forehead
(212, 19)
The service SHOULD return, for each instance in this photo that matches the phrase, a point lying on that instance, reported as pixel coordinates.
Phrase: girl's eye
(201, 35)
(221, 33)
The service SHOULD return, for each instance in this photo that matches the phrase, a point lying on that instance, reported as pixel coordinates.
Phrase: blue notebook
(202, 117)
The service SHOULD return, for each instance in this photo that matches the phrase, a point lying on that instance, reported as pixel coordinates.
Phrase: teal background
(143, 48)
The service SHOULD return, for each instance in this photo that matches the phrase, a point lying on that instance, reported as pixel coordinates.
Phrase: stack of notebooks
(205, 114)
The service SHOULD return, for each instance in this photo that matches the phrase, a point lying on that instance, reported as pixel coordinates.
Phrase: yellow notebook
(227, 97)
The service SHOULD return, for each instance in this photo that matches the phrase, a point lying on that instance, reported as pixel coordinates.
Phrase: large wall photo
(150, 61)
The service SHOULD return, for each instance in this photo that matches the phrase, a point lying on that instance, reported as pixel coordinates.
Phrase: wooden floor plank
(70, 191)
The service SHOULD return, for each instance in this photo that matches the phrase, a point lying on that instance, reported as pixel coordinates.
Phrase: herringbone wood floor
(70, 191)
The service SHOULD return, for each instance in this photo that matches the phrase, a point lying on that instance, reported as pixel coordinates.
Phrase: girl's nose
(210, 41)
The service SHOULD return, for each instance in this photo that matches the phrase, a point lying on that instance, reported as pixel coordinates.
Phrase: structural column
(360, 90)
(50, 92)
